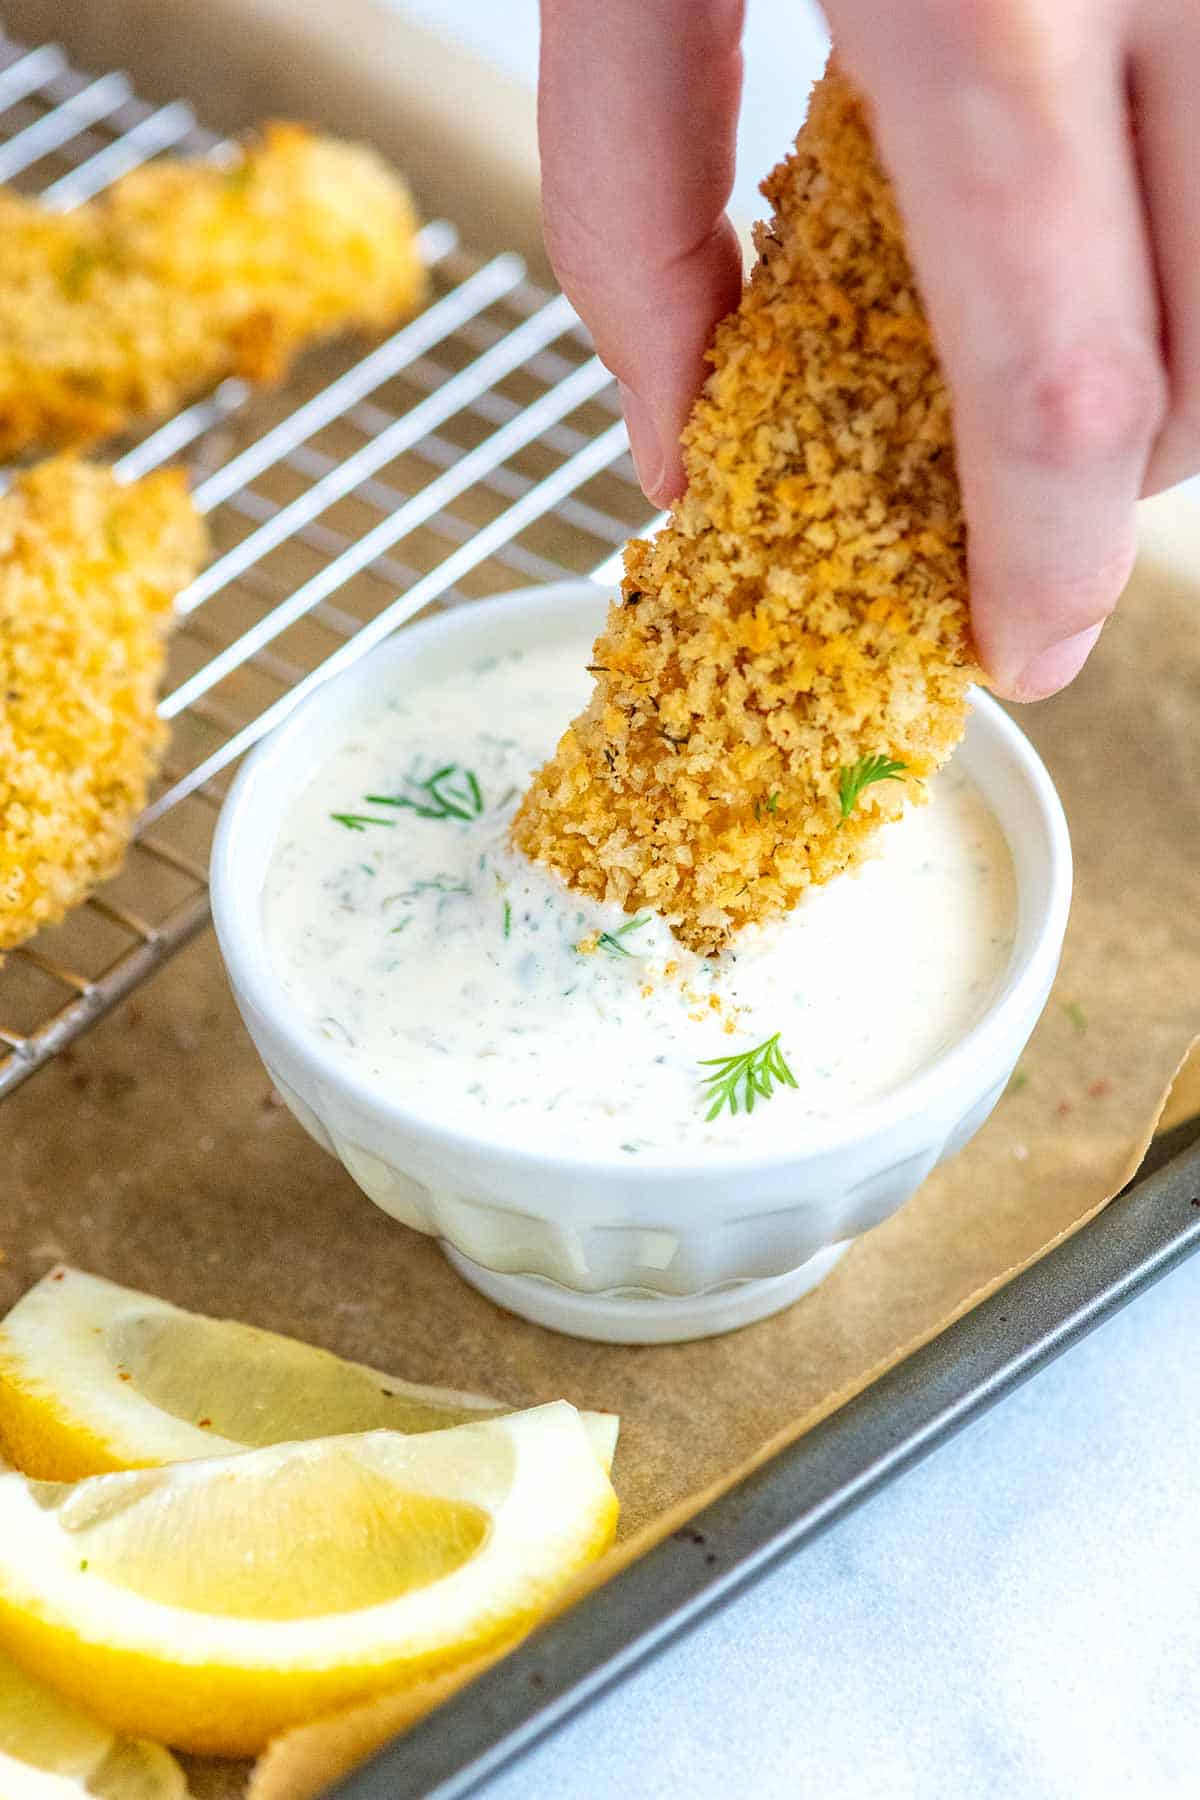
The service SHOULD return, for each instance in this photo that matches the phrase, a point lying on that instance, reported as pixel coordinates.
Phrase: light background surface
(785, 49)
(1018, 1618)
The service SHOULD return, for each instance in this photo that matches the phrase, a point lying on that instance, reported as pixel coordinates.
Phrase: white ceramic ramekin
(589, 1246)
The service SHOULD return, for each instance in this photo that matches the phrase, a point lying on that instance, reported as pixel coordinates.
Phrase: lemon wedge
(49, 1750)
(213, 1603)
(97, 1377)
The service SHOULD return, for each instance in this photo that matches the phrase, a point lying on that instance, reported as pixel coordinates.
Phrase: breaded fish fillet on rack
(186, 272)
(800, 627)
(88, 573)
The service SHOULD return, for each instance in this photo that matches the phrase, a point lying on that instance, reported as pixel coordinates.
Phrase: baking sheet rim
(1148, 1228)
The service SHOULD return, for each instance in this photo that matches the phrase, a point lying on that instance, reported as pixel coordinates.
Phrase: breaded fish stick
(805, 609)
(186, 272)
(88, 572)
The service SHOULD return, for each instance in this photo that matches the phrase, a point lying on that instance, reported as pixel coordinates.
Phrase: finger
(637, 114)
(1166, 70)
(1004, 126)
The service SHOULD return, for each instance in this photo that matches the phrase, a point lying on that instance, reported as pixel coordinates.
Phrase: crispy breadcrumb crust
(807, 602)
(185, 272)
(88, 572)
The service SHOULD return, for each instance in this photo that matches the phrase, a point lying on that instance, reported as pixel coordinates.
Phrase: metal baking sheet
(1150, 1228)
(296, 56)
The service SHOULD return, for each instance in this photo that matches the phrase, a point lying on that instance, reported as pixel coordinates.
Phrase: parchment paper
(154, 1153)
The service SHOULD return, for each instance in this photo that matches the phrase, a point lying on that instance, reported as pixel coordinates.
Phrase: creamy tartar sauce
(476, 989)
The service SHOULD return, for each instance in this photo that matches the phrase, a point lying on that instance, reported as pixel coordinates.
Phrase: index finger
(637, 114)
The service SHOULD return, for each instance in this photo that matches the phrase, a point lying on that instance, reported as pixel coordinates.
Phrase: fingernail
(644, 445)
(1054, 668)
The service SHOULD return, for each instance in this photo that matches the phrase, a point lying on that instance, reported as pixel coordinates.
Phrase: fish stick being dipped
(88, 573)
(187, 272)
(789, 658)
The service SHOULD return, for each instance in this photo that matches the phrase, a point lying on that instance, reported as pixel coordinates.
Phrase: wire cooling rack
(477, 449)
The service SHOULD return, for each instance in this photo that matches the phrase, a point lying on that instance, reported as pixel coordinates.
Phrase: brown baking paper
(155, 1153)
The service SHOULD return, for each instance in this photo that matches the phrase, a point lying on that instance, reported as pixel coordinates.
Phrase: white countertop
(1017, 1618)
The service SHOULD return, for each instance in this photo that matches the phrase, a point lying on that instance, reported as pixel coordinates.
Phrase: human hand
(1046, 157)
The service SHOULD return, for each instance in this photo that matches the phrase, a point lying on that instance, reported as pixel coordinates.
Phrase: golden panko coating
(88, 573)
(186, 272)
(806, 605)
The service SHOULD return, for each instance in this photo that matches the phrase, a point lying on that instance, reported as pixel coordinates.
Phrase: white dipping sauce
(446, 969)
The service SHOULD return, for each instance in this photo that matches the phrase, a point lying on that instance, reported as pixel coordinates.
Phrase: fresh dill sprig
(449, 793)
(854, 777)
(610, 941)
(754, 1072)
(359, 821)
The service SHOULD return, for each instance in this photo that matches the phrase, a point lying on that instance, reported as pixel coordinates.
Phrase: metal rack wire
(477, 449)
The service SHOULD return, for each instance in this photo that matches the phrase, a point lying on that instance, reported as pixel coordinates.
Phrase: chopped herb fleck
(868, 769)
(359, 821)
(78, 267)
(508, 918)
(449, 793)
(1020, 1080)
(611, 941)
(437, 884)
(333, 1028)
(754, 1072)
(1076, 1014)
(772, 801)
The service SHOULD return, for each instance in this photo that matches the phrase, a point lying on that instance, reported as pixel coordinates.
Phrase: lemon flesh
(387, 1541)
(214, 1603)
(96, 1377)
(49, 1748)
